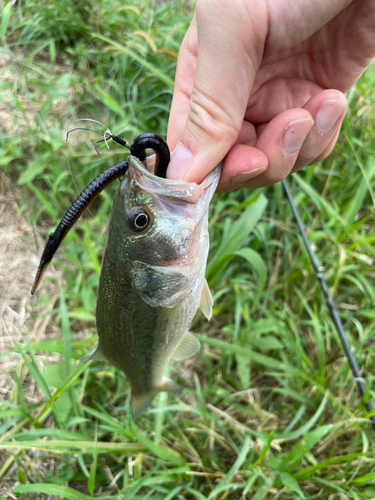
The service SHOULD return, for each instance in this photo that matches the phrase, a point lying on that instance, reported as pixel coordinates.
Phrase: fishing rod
(331, 305)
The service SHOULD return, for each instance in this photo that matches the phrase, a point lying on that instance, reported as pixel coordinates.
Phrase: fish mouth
(139, 167)
(188, 192)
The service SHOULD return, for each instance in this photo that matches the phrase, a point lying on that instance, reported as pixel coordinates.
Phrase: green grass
(270, 408)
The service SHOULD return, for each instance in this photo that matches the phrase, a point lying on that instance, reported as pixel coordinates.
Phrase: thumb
(224, 74)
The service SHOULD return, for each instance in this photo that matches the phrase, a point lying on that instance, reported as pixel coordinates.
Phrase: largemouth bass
(152, 279)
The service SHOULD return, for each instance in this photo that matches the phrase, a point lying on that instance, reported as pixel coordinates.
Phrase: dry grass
(22, 320)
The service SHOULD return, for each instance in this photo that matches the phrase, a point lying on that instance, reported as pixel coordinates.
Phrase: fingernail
(296, 133)
(327, 115)
(246, 176)
(180, 163)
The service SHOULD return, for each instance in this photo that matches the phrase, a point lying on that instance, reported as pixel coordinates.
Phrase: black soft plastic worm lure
(137, 149)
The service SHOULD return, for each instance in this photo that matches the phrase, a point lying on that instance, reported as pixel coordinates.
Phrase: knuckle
(211, 118)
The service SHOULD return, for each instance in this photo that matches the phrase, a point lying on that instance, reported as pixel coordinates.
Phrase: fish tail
(139, 402)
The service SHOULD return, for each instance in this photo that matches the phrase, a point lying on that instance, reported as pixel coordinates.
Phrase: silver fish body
(152, 280)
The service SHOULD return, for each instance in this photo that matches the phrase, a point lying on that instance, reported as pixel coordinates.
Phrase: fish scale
(147, 299)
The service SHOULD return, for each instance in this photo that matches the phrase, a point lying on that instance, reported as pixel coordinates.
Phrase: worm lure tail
(72, 215)
(138, 149)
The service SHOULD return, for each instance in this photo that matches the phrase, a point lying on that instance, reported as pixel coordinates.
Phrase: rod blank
(331, 305)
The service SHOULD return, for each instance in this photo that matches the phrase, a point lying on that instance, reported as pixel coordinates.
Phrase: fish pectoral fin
(206, 301)
(139, 402)
(96, 353)
(173, 317)
(187, 347)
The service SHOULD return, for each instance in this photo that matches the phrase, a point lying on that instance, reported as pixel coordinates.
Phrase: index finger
(184, 80)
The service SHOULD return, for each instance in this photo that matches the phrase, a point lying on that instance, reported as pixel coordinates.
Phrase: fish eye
(139, 219)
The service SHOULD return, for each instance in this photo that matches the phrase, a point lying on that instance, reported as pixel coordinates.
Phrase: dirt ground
(22, 320)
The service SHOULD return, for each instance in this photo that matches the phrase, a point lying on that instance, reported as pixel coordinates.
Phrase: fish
(152, 279)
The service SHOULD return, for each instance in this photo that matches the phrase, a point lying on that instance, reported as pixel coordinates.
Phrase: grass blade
(129, 52)
(51, 489)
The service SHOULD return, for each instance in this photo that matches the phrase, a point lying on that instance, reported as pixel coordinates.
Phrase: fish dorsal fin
(206, 301)
(96, 353)
(187, 347)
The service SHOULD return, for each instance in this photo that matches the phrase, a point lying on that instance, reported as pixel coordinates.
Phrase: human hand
(260, 83)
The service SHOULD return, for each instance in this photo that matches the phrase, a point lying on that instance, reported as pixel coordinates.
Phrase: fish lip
(177, 190)
(137, 165)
